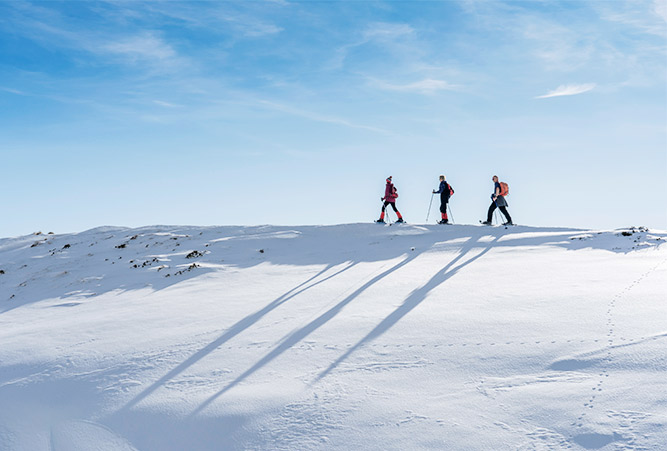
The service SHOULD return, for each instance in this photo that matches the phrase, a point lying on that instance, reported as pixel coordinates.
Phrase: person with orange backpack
(446, 191)
(390, 196)
(500, 190)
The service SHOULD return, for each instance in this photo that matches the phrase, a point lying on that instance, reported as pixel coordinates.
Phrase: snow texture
(357, 336)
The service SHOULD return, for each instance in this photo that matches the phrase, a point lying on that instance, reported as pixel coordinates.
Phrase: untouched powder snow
(345, 337)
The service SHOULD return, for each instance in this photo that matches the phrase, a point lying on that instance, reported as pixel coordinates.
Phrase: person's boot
(487, 223)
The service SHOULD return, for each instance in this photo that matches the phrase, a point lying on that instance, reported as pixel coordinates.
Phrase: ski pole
(429, 207)
(450, 212)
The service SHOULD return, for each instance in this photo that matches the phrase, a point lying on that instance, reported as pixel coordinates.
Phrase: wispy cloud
(13, 91)
(53, 30)
(557, 46)
(318, 117)
(568, 90)
(544, 38)
(254, 28)
(390, 37)
(660, 8)
(387, 31)
(647, 18)
(146, 46)
(165, 104)
(426, 86)
(243, 18)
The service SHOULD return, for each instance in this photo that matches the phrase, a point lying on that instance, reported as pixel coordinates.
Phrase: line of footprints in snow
(308, 346)
(611, 337)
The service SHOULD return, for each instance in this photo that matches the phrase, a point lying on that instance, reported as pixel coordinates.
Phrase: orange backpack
(504, 189)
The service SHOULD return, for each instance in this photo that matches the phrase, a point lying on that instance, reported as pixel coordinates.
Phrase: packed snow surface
(350, 337)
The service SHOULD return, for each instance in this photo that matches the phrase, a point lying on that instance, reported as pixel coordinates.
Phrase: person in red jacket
(390, 195)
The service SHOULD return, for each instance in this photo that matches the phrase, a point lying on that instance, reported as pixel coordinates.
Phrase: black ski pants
(393, 205)
(503, 210)
(443, 203)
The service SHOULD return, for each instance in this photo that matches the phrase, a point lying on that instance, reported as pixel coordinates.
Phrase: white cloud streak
(52, 30)
(219, 15)
(13, 91)
(660, 8)
(318, 117)
(568, 90)
(165, 104)
(427, 86)
(144, 47)
(387, 31)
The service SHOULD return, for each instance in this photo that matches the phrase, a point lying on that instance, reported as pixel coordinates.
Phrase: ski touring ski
(506, 225)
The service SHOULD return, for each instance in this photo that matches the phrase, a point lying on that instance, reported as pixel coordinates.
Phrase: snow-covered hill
(344, 337)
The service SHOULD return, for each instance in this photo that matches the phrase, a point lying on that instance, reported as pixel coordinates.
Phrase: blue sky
(278, 112)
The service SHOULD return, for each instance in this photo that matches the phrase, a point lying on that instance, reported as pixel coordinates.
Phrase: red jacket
(390, 193)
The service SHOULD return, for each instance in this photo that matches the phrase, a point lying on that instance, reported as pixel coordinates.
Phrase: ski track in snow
(343, 337)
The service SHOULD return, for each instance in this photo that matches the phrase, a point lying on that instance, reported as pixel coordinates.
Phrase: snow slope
(354, 336)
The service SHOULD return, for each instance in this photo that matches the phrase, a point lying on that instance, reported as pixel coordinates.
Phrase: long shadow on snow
(295, 337)
(233, 331)
(415, 298)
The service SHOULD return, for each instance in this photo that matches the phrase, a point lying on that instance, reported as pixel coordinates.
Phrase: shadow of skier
(233, 331)
(414, 299)
(295, 337)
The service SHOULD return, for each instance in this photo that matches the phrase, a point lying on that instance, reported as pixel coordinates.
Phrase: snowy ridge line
(184, 231)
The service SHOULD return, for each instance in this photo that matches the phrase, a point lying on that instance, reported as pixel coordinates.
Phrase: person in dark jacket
(498, 201)
(390, 195)
(445, 191)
